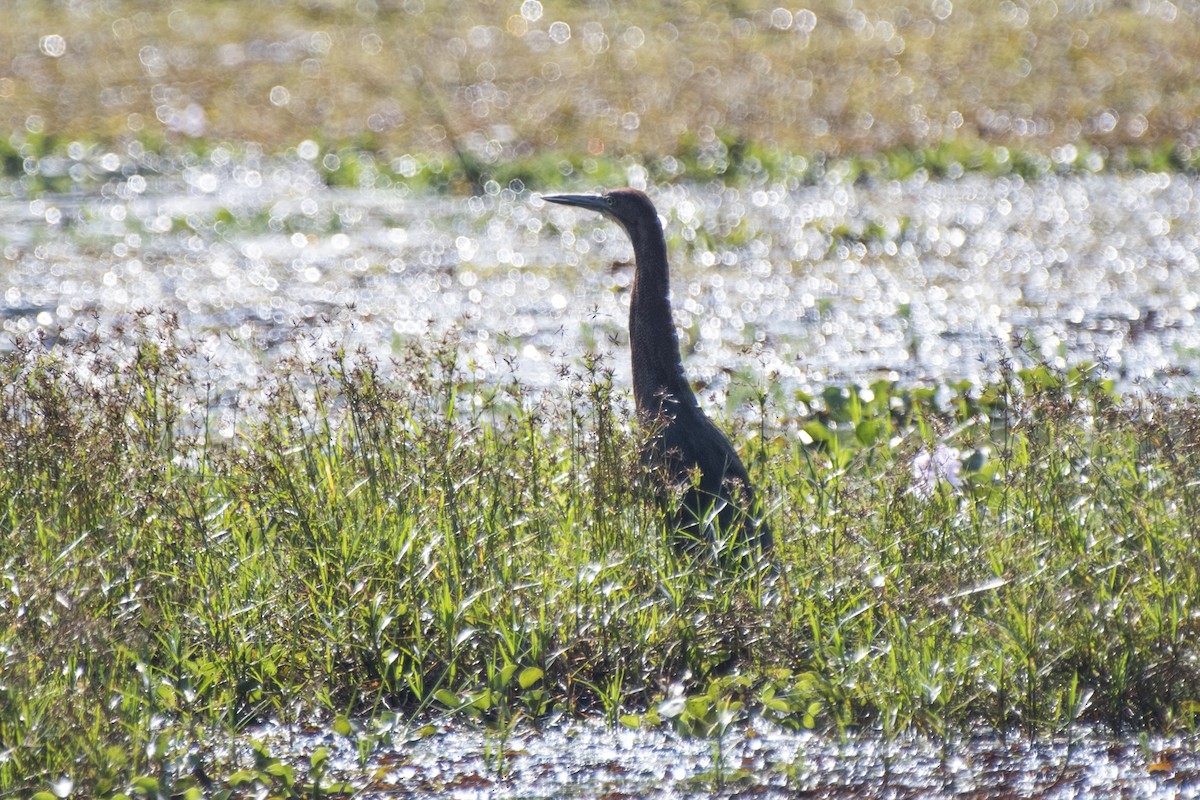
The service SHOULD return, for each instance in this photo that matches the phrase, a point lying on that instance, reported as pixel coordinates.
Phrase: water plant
(361, 539)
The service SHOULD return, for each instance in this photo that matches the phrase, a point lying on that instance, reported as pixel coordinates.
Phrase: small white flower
(928, 468)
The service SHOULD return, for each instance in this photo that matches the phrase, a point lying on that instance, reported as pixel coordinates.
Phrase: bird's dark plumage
(686, 440)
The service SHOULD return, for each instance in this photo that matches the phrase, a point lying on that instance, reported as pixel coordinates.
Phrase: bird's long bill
(589, 201)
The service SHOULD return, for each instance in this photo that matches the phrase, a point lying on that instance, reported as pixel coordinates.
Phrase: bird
(690, 453)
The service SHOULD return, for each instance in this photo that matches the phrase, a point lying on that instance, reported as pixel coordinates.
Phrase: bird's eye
(608, 199)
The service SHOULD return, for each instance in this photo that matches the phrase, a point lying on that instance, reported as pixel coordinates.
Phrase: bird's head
(631, 208)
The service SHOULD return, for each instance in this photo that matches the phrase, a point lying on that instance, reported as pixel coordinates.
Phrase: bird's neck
(659, 384)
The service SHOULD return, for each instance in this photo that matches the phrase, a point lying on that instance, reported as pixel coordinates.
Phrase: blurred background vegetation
(503, 80)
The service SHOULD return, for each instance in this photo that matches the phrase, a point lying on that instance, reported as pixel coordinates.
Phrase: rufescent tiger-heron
(719, 502)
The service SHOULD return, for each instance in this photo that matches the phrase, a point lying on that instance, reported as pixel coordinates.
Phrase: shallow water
(585, 759)
(805, 285)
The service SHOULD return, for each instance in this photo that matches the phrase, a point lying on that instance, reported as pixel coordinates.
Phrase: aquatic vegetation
(368, 537)
(47, 165)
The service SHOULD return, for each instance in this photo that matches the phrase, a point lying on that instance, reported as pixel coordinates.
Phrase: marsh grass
(367, 540)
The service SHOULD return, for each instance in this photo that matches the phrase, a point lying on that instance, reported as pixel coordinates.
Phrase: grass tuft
(374, 539)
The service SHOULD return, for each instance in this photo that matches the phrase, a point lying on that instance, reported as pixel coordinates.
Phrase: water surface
(585, 759)
(801, 285)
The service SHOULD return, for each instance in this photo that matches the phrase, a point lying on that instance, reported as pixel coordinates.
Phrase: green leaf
(318, 758)
(341, 725)
(145, 784)
(529, 676)
(777, 704)
(484, 700)
(447, 698)
(278, 770)
(240, 778)
(506, 673)
(699, 706)
(817, 431)
(867, 431)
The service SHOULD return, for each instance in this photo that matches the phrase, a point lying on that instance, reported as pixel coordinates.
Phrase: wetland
(318, 475)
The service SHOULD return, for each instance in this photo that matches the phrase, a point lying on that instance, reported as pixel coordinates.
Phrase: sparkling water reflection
(839, 281)
(585, 759)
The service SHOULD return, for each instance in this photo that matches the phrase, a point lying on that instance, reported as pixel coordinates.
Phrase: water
(919, 281)
(585, 759)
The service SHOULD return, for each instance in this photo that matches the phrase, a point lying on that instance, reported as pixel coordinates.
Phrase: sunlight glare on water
(586, 759)
(920, 281)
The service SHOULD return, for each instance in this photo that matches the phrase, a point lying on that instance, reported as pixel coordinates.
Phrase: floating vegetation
(32, 166)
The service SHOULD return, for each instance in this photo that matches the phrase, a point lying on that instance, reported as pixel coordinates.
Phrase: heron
(690, 453)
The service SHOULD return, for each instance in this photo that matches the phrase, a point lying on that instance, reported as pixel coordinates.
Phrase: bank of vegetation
(365, 538)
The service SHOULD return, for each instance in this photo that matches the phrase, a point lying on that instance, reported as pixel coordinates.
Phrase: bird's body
(719, 500)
